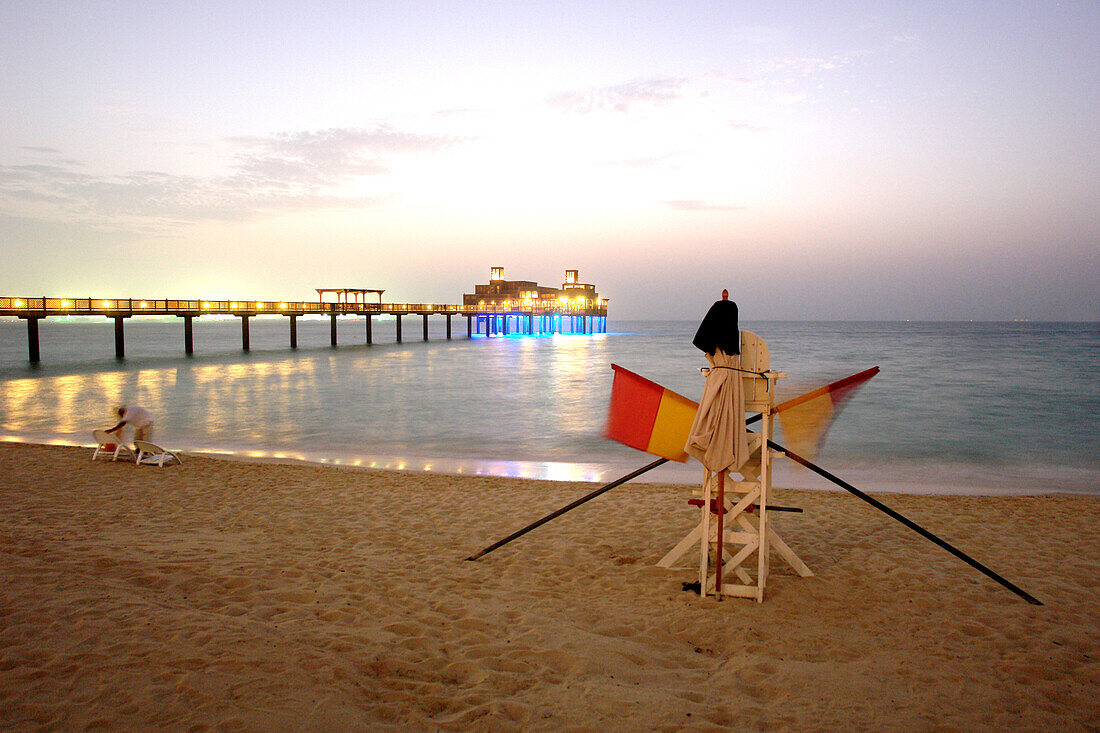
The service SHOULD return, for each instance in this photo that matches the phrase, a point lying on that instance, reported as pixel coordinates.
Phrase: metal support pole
(370, 336)
(294, 332)
(244, 332)
(469, 326)
(398, 328)
(188, 335)
(120, 339)
(425, 326)
(505, 324)
(332, 329)
(32, 340)
(448, 326)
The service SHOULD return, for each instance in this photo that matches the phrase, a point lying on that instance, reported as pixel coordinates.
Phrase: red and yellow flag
(646, 416)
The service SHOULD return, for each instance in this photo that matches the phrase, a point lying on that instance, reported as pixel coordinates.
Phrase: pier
(488, 320)
(499, 308)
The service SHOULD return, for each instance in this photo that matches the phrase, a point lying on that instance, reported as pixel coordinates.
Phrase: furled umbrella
(718, 436)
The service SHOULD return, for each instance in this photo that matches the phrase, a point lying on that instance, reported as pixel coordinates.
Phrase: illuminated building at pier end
(572, 296)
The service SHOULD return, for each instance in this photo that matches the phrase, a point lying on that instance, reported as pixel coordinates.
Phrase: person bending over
(138, 419)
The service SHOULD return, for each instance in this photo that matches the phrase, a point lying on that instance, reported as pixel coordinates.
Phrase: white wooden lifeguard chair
(748, 537)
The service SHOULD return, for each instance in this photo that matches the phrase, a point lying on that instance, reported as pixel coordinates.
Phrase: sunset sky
(827, 160)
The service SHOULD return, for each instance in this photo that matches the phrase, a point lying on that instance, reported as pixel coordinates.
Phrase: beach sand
(224, 595)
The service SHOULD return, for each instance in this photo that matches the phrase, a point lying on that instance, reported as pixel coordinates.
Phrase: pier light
(259, 305)
(232, 305)
(206, 305)
(106, 304)
(282, 306)
(144, 304)
(18, 303)
(64, 304)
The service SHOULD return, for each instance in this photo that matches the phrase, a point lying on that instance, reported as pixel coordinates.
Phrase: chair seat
(152, 454)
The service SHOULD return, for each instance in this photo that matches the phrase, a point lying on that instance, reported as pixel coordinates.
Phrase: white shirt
(137, 417)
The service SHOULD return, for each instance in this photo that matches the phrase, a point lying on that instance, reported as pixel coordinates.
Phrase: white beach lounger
(152, 454)
(108, 445)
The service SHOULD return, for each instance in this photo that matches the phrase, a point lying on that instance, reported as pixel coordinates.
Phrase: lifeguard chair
(747, 536)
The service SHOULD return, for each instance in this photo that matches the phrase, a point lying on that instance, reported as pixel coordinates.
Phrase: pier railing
(114, 307)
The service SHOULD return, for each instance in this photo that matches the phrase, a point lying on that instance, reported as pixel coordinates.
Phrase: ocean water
(980, 408)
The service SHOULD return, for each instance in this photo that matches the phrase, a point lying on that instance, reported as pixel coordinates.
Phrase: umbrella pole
(721, 528)
(908, 523)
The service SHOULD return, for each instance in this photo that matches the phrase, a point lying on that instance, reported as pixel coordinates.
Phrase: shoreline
(253, 595)
(788, 476)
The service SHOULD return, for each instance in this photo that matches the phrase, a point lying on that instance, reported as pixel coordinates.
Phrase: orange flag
(806, 419)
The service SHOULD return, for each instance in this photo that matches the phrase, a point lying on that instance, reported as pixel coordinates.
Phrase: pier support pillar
(398, 328)
(505, 324)
(120, 339)
(188, 335)
(370, 336)
(294, 332)
(469, 327)
(425, 326)
(244, 333)
(530, 325)
(332, 329)
(448, 326)
(32, 340)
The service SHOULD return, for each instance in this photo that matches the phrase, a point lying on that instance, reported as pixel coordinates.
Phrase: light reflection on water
(946, 410)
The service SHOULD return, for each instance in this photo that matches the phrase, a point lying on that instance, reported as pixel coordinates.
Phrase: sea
(957, 408)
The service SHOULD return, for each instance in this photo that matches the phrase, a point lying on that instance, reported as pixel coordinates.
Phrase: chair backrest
(759, 394)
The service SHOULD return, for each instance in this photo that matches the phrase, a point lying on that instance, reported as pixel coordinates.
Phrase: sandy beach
(223, 595)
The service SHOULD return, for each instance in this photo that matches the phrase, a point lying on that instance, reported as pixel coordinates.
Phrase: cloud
(697, 205)
(745, 127)
(620, 97)
(328, 157)
(653, 161)
(809, 64)
(298, 171)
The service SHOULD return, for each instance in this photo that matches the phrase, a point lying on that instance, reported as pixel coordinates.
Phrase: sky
(822, 161)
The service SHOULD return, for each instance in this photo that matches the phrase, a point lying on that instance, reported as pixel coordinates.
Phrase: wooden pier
(487, 319)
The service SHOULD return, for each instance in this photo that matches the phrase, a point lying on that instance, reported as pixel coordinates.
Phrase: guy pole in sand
(908, 523)
(568, 507)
